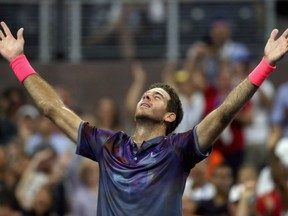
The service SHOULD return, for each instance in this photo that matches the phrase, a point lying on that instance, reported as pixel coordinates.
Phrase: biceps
(209, 129)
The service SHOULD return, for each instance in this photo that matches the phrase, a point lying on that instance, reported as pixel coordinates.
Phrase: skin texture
(153, 107)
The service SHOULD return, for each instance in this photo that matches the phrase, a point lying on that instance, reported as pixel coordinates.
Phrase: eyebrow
(159, 93)
(155, 92)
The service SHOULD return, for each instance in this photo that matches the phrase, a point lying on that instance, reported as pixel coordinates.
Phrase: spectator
(256, 133)
(27, 120)
(46, 136)
(221, 46)
(191, 96)
(222, 179)
(136, 88)
(198, 187)
(279, 171)
(43, 175)
(8, 204)
(231, 142)
(106, 114)
(242, 195)
(85, 197)
(42, 204)
(10, 100)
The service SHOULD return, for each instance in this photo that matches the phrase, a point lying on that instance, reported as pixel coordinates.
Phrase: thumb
(274, 34)
(20, 34)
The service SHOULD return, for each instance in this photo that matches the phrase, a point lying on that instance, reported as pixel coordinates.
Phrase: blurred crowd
(245, 175)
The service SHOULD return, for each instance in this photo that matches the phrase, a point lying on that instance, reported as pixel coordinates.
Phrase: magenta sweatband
(22, 68)
(261, 72)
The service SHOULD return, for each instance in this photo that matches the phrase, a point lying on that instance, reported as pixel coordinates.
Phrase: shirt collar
(148, 143)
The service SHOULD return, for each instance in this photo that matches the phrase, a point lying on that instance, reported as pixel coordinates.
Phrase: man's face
(220, 32)
(222, 178)
(153, 105)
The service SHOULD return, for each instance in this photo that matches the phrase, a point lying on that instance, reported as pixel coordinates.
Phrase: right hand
(275, 49)
(138, 72)
(10, 48)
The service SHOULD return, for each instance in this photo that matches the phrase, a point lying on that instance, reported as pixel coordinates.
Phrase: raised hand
(138, 72)
(275, 49)
(10, 47)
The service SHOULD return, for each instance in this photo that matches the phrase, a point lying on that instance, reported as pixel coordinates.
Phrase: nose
(146, 96)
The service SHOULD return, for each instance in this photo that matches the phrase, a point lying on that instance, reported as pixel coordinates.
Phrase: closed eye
(158, 95)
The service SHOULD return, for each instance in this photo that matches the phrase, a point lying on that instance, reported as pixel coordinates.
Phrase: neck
(146, 130)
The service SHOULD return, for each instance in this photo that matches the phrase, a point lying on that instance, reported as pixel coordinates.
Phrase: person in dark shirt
(142, 174)
(222, 179)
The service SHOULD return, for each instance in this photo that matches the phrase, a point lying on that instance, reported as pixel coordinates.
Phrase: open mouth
(145, 105)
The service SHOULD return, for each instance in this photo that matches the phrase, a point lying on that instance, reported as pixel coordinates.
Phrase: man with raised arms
(142, 174)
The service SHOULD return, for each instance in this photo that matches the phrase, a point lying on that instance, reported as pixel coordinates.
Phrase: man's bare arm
(52, 106)
(213, 124)
(211, 127)
(42, 93)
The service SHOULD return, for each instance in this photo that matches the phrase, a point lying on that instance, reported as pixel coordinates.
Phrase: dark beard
(144, 119)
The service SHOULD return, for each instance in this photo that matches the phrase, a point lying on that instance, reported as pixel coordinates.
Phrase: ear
(170, 117)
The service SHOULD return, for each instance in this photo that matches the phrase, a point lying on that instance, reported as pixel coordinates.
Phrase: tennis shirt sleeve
(187, 148)
(90, 140)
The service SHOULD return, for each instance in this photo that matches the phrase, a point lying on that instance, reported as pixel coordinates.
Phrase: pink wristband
(22, 68)
(261, 72)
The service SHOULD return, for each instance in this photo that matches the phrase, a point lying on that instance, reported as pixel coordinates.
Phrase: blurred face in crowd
(247, 174)
(43, 201)
(220, 32)
(106, 113)
(222, 178)
(224, 80)
(45, 126)
(10, 100)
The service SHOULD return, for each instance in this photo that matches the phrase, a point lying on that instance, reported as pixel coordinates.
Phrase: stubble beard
(148, 120)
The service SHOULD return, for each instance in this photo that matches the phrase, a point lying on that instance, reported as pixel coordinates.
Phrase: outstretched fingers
(2, 36)
(20, 34)
(273, 34)
(6, 29)
(285, 33)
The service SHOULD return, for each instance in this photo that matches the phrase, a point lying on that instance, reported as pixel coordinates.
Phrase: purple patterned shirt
(145, 181)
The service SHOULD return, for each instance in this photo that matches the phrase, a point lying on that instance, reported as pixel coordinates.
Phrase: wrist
(12, 58)
(261, 72)
(270, 62)
(22, 67)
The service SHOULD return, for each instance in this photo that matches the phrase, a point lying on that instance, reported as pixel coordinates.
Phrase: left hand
(275, 49)
(10, 48)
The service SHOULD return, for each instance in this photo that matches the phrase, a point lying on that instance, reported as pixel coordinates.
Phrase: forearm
(43, 94)
(214, 123)
(274, 137)
(52, 106)
(167, 73)
(236, 100)
(217, 120)
(242, 208)
(24, 183)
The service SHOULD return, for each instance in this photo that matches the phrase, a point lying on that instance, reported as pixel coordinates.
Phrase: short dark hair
(174, 105)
